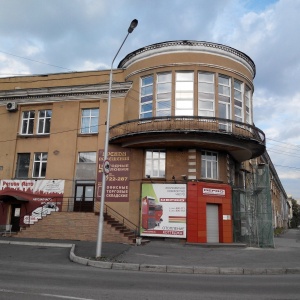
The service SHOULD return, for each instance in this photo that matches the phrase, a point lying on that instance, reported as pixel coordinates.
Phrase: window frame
(155, 167)
(209, 165)
(90, 117)
(206, 112)
(45, 121)
(238, 102)
(146, 97)
(28, 122)
(86, 162)
(182, 93)
(39, 164)
(18, 169)
(164, 97)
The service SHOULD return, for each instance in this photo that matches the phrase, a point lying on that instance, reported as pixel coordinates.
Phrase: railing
(185, 124)
(124, 221)
(66, 204)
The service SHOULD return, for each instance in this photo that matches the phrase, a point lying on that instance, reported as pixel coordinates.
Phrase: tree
(295, 222)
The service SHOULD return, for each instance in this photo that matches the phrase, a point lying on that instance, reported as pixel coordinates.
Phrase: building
(183, 150)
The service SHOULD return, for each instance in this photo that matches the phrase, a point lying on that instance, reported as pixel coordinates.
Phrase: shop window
(206, 94)
(44, 121)
(23, 162)
(209, 165)
(89, 120)
(155, 163)
(163, 94)
(184, 94)
(40, 165)
(27, 123)
(87, 157)
(146, 107)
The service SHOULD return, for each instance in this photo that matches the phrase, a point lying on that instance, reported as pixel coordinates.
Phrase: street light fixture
(106, 166)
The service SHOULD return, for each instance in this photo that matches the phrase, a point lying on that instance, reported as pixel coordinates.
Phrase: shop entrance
(212, 223)
(84, 198)
(15, 217)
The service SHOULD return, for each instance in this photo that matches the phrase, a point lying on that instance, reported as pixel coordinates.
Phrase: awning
(12, 198)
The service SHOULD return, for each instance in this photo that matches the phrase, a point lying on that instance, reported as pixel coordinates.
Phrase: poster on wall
(43, 196)
(117, 179)
(163, 210)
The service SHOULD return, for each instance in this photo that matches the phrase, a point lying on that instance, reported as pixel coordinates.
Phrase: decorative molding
(188, 46)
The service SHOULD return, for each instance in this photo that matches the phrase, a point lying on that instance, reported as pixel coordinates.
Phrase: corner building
(183, 150)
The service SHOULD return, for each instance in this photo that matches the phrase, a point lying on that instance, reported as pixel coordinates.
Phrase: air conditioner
(11, 106)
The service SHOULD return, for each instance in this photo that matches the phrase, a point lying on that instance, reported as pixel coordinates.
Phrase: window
(27, 122)
(89, 120)
(44, 121)
(155, 163)
(87, 157)
(184, 94)
(209, 165)
(146, 97)
(224, 87)
(40, 164)
(206, 94)
(23, 162)
(164, 94)
(248, 105)
(238, 101)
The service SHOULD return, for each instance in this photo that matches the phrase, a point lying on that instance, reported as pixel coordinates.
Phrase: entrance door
(15, 217)
(84, 198)
(212, 223)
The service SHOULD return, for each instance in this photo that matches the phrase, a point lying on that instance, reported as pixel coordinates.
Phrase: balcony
(242, 141)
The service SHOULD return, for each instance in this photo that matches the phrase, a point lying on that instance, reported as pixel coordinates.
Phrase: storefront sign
(42, 196)
(163, 210)
(213, 192)
(117, 178)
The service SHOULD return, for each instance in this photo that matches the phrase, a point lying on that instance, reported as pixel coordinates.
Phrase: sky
(43, 36)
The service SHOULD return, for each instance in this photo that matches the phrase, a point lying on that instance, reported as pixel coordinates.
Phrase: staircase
(81, 226)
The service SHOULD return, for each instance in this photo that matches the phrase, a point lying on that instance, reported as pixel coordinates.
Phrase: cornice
(188, 46)
(66, 93)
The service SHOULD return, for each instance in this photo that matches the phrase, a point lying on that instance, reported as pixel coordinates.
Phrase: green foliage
(295, 222)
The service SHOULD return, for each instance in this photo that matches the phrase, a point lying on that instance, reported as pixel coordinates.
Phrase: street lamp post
(105, 169)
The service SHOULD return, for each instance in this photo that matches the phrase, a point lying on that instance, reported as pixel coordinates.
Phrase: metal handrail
(120, 218)
(186, 124)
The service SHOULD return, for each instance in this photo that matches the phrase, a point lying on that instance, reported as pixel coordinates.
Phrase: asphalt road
(28, 272)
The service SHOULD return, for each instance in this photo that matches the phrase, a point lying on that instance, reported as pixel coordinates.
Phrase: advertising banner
(117, 178)
(163, 210)
(42, 196)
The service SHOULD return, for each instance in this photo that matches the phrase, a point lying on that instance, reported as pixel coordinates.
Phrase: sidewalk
(171, 256)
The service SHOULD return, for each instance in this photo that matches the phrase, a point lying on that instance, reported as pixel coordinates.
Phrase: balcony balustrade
(243, 141)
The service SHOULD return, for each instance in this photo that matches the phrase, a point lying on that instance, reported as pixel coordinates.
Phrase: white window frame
(27, 122)
(39, 164)
(206, 97)
(146, 97)
(238, 101)
(44, 121)
(184, 94)
(209, 165)
(163, 95)
(155, 163)
(87, 121)
(248, 106)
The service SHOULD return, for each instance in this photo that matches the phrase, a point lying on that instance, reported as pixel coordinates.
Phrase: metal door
(212, 223)
(84, 198)
(15, 217)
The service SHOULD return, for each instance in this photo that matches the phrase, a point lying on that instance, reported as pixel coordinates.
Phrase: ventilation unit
(11, 106)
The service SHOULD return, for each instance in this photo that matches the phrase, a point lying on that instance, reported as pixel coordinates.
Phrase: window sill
(38, 136)
(87, 134)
